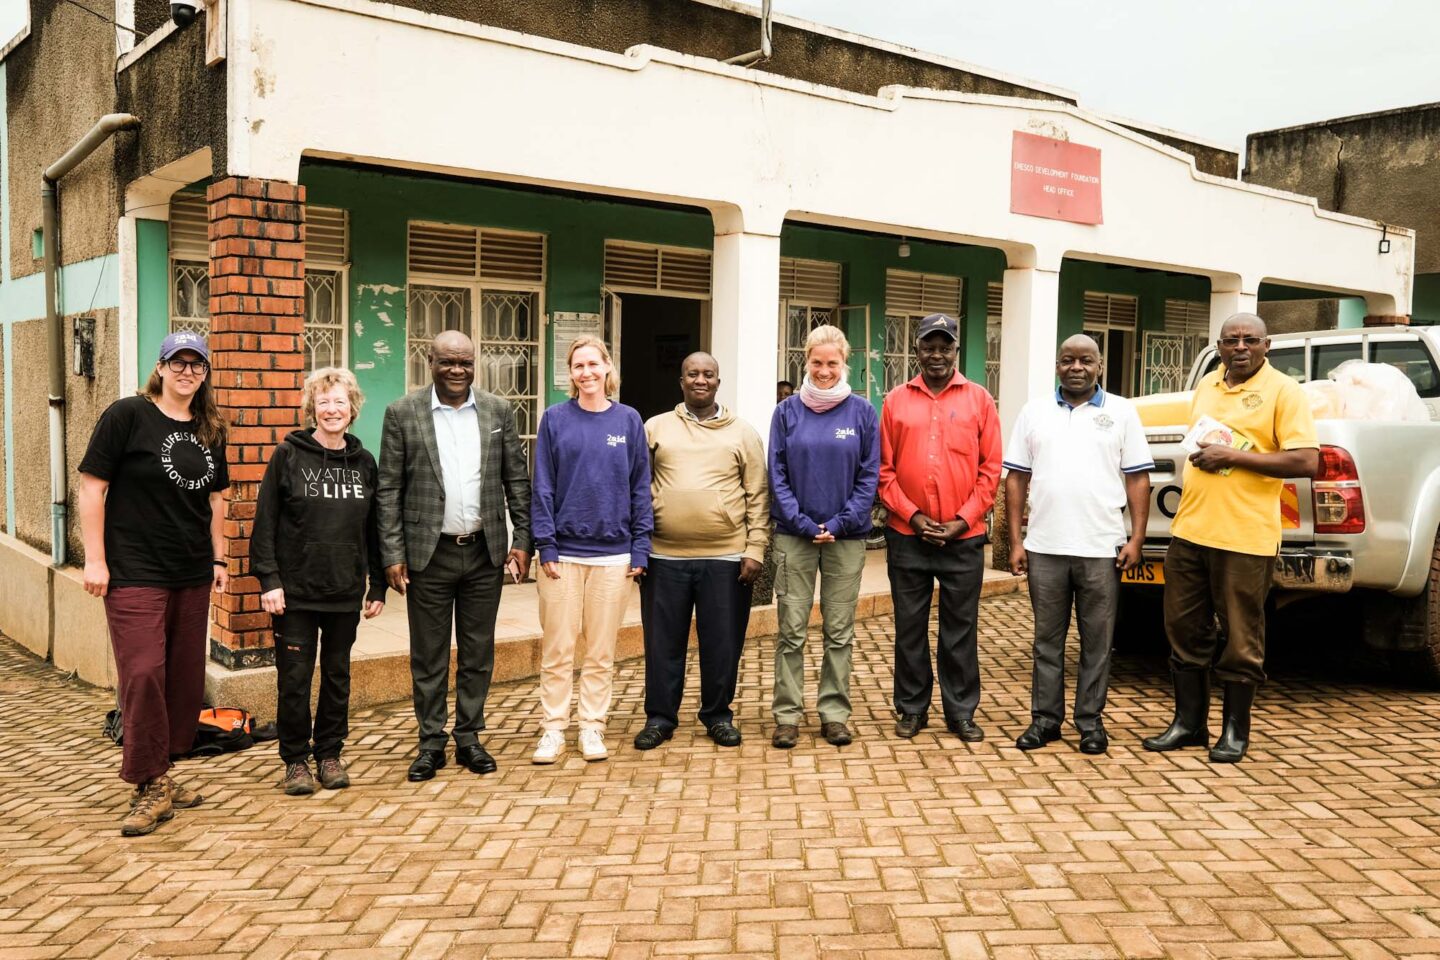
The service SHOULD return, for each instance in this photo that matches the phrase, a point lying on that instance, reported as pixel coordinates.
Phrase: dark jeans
(670, 591)
(158, 635)
(914, 568)
(1093, 584)
(1203, 584)
(459, 587)
(298, 636)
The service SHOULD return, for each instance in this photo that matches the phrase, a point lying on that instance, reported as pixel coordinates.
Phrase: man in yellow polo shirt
(1226, 534)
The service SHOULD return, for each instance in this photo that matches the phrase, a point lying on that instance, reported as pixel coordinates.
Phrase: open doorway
(650, 336)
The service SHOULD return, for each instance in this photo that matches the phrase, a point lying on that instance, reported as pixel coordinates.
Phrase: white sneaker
(552, 744)
(592, 745)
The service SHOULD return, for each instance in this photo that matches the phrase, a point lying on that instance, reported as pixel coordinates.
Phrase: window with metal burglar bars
(994, 306)
(1167, 355)
(809, 296)
(909, 298)
(487, 284)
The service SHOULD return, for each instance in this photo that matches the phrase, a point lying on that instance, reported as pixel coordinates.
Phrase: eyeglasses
(1233, 342)
(195, 366)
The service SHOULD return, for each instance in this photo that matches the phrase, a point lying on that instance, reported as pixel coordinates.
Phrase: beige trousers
(588, 600)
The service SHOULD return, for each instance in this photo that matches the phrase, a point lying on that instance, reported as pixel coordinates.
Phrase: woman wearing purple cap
(152, 513)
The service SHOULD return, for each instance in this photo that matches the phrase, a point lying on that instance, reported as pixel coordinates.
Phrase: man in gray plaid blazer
(451, 465)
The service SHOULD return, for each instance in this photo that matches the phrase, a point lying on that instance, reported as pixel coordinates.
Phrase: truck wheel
(1420, 630)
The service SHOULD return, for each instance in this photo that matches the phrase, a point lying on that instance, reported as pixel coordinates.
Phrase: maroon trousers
(158, 635)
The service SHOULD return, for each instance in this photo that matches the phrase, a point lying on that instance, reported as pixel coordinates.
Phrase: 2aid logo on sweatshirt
(615, 439)
(842, 432)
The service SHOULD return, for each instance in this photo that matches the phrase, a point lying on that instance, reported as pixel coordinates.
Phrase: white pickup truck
(1367, 526)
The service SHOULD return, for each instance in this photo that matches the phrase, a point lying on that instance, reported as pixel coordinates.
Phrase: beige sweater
(709, 486)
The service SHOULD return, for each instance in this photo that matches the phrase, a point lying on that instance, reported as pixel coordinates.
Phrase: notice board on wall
(1054, 179)
(569, 327)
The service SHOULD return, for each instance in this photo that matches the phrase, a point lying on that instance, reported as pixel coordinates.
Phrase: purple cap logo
(184, 340)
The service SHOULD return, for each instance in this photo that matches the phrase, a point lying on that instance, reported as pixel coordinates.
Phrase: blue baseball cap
(938, 323)
(184, 340)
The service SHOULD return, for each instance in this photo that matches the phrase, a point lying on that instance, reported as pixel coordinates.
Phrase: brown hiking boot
(298, 781)
(786, 735)
(333, 775)
(153, 807)
(181, 798)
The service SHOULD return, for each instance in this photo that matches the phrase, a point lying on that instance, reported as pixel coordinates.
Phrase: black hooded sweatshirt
(315, 532)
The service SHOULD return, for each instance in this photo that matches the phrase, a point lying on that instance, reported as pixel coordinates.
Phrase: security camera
(183, 12)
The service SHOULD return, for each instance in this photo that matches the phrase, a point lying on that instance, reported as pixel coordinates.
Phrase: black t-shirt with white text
(157, 509)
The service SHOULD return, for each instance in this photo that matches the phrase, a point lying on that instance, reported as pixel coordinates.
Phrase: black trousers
(669, 593)
(299, 634)
(914, 568)
(459, 588)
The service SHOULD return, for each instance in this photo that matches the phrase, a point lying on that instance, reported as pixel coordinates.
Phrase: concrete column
(1029, 327)
(257, 319)
(744, 324)
(1225, 303)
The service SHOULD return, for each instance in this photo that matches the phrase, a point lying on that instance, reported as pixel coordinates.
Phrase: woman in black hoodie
(315, 541)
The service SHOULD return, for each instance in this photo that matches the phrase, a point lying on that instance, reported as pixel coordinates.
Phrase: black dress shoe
(651, 737)
(475, 758)
(1036, 736)
(725, 734)
(1094, 741)
(967, 730)
(910, 724)
(425, 765)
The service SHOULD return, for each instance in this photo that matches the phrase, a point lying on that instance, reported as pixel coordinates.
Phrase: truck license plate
(1146, 573)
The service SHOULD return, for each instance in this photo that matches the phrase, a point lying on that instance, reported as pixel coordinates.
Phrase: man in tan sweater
(712, 521)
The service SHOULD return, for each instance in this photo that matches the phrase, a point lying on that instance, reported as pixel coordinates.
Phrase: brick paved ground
(1323, 844)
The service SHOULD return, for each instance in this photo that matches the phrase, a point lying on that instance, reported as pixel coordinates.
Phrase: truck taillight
(1339, 505)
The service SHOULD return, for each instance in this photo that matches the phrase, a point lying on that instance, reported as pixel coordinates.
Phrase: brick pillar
(257, 316)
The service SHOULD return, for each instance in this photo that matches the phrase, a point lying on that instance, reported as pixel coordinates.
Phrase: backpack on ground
(220, 730)
(226, 729)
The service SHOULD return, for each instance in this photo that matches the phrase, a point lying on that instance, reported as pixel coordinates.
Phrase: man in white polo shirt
(1081, 457)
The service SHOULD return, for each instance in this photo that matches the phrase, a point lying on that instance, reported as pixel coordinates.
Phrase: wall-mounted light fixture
(1384, 238)
(904, 250)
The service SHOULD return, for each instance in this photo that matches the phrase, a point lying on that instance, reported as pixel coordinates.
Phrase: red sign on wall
(1055, 179)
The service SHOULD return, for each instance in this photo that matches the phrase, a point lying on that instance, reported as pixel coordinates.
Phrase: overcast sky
(1217, 69)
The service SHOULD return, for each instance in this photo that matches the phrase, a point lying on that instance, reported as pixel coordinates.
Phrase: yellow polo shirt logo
(1240, 511)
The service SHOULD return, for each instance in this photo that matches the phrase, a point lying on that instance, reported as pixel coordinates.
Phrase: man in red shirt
(939, 470)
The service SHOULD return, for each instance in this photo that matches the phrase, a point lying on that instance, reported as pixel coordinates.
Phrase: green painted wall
(1151, 287)
(152, 292)
(381, 204)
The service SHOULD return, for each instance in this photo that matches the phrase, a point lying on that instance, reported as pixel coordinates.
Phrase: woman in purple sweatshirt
(824, 467)
(590, 514)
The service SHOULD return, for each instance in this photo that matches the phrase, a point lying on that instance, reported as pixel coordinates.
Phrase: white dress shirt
(457, 437)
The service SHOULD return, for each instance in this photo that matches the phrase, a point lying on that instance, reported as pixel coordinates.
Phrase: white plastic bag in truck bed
(1365, 391)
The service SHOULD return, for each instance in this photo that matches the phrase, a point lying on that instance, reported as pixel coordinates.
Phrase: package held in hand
(1208, 430)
